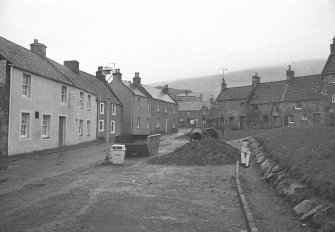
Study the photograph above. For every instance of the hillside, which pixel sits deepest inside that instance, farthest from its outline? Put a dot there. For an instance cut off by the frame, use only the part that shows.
(210, 85)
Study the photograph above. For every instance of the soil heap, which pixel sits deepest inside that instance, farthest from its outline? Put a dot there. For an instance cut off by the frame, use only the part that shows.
(202, 152)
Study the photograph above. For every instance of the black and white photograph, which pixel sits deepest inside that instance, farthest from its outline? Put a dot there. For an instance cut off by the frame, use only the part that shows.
(167, 116)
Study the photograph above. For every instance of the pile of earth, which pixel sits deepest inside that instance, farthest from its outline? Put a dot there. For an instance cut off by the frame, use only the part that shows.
(203, 152)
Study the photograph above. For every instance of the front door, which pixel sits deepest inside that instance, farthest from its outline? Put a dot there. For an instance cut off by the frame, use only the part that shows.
(316, 119)
(242, 122)
(276, 121)
(62, 131)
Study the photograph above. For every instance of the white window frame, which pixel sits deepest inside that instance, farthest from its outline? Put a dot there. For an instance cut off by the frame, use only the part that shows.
(28, 94)
(63, 94)
(138, 124)
(112, 127)
(88, 127)
(289, 118)
(102, 108)
(333, 97)
(113, 109)
(148, 122)
(81, 99)
(81, 127)
(298, 105)
(188, 113)
(103, 125)
(304, 117)
(28, 136)
(89, 100)
(47, 136)
(333, 79)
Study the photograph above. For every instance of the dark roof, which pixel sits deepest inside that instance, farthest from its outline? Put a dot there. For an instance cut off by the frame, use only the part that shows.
(330, 65)
(304, 88)
(99, 87)
(24, 59)
(235, 93)
(268, 92)
(187, 106)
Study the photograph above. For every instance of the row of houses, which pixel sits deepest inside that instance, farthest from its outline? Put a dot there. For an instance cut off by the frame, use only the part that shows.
(304, 101)
(45, 104)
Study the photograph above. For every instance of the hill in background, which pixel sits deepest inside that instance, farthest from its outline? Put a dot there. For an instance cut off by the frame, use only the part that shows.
(211, 85)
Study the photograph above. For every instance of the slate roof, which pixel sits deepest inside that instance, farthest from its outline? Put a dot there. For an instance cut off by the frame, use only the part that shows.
(304, 88)
(24, 59)
(268, 92)
(99, 87)
(235, 93)
(189, 106)
(158, 94)
(135, 89)
(330, 65)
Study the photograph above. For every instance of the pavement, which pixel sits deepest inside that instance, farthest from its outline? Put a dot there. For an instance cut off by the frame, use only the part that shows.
(74, 191)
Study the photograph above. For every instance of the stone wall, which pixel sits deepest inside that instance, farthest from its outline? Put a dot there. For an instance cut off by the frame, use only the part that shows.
(4, 107)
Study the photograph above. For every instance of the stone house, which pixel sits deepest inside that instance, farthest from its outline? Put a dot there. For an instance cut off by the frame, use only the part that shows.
(146, 110)
(193, 114)
(46, 105)
(328, 75)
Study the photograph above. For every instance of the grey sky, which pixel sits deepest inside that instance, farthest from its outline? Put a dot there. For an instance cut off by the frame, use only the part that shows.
(165, 40)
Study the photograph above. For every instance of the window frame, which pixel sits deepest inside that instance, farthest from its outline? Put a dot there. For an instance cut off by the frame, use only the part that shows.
(103, 125)
(298, 105)
(332, 79)
(47, 136)
(158, 109)
(102, 109)
(138, 103)
(148, 105)
(158, 123)
(112, 126)
(138, 123)
(65, 102)
(303, 117)
(148, 123)
(81, 127)
(28, 95)
(28, 136)
(81, 99)
(89, 102)
(88, 127)
(113, 109)
(333, 97)
(289, 119)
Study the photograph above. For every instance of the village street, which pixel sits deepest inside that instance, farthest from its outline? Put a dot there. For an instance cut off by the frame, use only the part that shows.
(73, 191)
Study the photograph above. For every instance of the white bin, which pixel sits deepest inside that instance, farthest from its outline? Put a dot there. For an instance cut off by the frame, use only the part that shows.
(117, 153)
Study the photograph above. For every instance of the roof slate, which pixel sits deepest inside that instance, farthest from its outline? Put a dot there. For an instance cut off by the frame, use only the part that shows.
(158, 94)
(330, 65)
(24, 59)
(235, 93)
(135, 89)
(268, 92)
(188, 106)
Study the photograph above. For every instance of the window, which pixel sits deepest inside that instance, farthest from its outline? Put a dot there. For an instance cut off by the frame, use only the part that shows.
(139, 103)
(148, 122)
(81, 127)
(304, 116)
(138, 122)
(242, 104)
(101, 125)
(102, 108)
(181, 119)
(203, 112)
(88, 102)
(81, 100)
(165, 107)
(298, 105)
(88, 127)
(173, 126)
(26, 85)
(148, 105)
(188, 113)
(112, 128)
(25, 125)
(333, 97)
(157, 106)
(204, 122)
(64, 94)
(174, 111)
(290, 119)
(231, 120)
(113, 109)
(158, 123)
(333, 79)
(46, 124)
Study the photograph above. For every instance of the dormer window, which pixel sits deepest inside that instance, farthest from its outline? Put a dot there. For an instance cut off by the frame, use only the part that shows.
(298, 105)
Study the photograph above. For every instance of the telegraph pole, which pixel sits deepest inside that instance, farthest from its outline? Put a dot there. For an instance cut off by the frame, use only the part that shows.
(107, 132)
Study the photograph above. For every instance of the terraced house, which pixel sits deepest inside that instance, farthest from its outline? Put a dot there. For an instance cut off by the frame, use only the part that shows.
(146, 110)
(47, 105)
(304, 101)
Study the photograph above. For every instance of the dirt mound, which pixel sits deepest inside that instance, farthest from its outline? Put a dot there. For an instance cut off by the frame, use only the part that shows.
(203, 152)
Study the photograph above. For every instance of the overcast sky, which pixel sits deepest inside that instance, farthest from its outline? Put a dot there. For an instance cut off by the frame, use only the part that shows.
(172, 39)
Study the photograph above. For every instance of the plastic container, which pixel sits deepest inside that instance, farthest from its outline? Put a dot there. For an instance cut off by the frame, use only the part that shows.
(117, 152)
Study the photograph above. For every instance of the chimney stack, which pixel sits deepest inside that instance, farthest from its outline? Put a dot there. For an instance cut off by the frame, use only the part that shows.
(137, 79)
(98, 73)
(289, 74)
(332, 47)
(223, 84)
(38, 48)
(166, 89)
(256, 80)
(117, 75)
(73, 65)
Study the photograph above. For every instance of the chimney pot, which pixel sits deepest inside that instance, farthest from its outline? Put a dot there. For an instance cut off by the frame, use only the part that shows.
(256, 80)
(289, 74)
(117, 75)
(73, 65)
(38, 48)
(137, 79)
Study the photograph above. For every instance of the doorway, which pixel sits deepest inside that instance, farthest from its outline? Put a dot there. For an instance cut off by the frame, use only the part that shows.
(62, 131)
(242, 122)
(316, 120)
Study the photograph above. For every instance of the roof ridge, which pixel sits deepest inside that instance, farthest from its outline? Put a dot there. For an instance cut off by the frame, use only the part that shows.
(57, 70)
